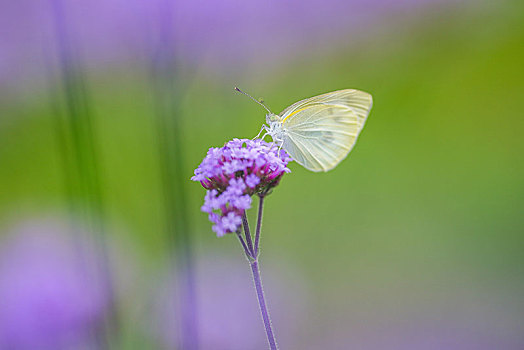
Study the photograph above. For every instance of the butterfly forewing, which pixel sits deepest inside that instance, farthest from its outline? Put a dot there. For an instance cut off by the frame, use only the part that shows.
(322, 130)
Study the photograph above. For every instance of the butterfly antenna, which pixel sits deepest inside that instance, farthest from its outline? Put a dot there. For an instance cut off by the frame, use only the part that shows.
(257, 101)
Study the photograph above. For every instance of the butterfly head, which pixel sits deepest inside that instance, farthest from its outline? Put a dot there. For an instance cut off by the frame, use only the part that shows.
(272, 118)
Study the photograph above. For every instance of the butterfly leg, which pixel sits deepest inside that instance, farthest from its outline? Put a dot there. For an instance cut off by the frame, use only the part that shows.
(265, 127)
(275, 142)
(260, 132)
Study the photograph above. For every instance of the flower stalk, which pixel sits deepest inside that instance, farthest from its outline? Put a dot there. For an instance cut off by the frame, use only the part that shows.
(252, 253)
(259, 222)
(262, 304)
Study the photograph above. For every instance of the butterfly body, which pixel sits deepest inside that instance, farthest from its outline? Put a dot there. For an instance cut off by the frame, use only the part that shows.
(275, 128)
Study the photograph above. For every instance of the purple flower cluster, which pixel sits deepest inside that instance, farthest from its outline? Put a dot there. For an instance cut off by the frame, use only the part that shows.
(235, 172)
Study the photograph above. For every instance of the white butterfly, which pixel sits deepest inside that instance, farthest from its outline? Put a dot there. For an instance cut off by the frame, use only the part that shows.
(319, 132)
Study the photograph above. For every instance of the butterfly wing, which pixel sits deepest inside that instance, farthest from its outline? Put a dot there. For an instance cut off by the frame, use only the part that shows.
(322, 130)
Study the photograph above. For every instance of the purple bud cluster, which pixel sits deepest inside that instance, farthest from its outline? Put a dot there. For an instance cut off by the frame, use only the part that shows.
(234, 173)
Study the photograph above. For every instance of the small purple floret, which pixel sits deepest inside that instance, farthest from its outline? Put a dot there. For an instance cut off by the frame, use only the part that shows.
(252, 180)
(234, 173)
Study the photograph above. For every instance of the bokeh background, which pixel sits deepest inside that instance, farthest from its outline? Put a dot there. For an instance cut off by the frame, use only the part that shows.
(415, 241)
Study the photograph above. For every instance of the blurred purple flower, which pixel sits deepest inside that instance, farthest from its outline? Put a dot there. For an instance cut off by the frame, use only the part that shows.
(224, 33)
(52, 294)
(228, 313)
(235, 172)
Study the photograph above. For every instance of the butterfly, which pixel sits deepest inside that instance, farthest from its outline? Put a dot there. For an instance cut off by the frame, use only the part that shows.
(319, 132)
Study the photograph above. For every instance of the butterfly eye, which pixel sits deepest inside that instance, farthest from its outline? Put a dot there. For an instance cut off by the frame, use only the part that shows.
(273, 118)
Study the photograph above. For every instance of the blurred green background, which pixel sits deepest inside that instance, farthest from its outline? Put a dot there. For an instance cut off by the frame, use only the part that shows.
(416, 240)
